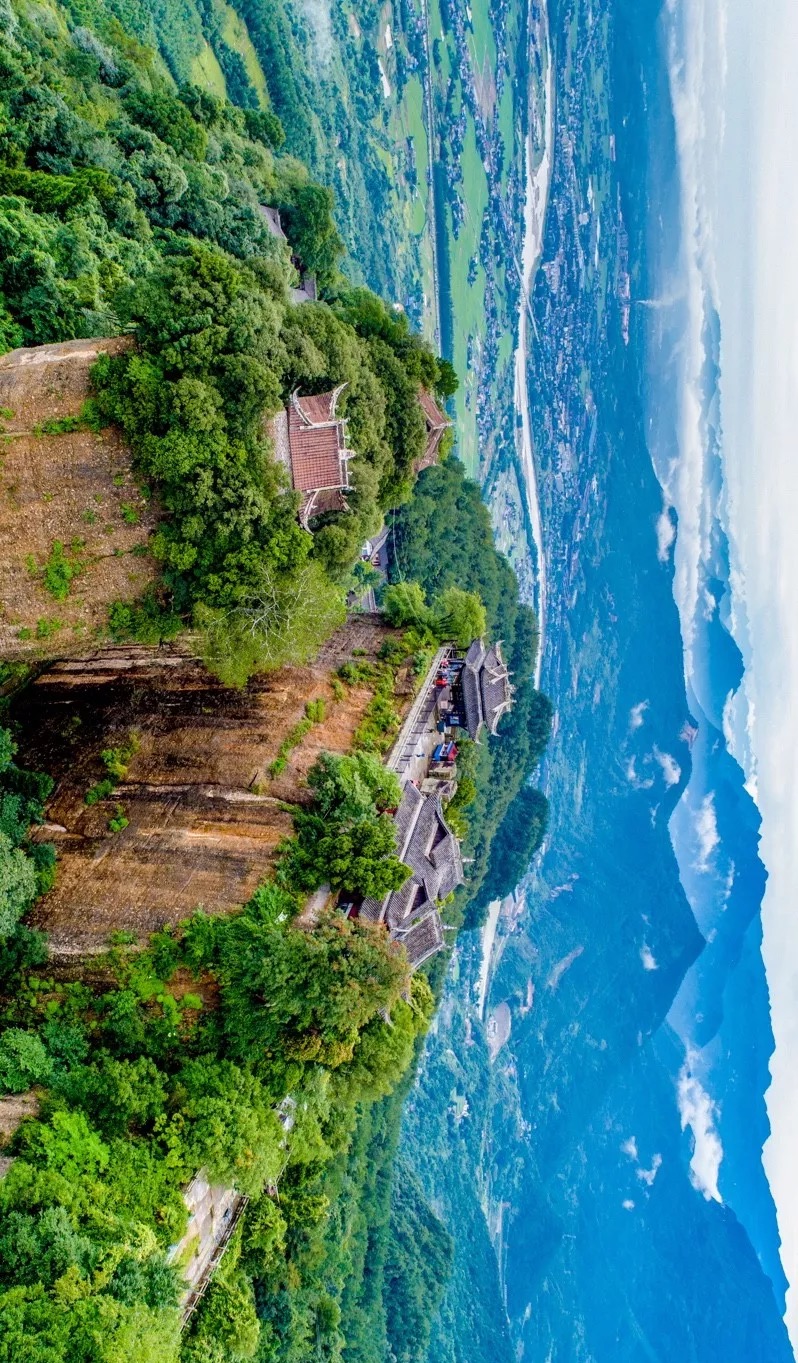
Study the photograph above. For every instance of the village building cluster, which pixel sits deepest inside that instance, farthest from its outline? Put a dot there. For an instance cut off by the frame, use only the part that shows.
(463, 692)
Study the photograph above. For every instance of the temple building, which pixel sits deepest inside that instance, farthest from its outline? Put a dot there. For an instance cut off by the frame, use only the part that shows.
(482, 692)
(310, 440)
(427, 845)
(436, 422)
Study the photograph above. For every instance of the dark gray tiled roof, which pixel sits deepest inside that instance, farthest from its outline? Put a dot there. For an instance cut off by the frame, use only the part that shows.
(449, 863)
(415, 900)
(372, 910)
(485, 688)
(423, 940)
(495, 687)
(406, 815)
(475, 654)
(472, 702)
(425, 844)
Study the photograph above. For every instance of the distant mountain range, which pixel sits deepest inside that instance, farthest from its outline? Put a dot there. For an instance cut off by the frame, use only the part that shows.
(612, 1151)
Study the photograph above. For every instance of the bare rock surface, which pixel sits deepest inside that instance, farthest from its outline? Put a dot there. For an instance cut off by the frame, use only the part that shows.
(75, 488)
(204, 814)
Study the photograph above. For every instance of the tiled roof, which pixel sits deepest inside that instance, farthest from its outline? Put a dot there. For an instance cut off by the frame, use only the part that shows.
(423, 940)
(327, 499)
(434, 417)
(485, 688)
(404, 820)
(412, 901)
(430, 849)
(319, 408)
(316, 450)
(372, 909)
(475, 654)
(448, 863)
(495, 687)
(496, 698)
(472, 701)
(436, 422)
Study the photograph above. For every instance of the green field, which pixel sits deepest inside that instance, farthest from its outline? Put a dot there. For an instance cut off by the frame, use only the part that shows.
(206, 71)
(236, 35)
(469, 310)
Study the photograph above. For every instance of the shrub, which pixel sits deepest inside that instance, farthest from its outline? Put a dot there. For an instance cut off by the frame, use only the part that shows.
(59, 570)
(23, 1060)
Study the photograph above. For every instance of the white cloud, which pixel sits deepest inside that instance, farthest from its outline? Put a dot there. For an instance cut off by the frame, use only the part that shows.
(628, 1205)
(671, 771)
(648, 958)
(666, 534)
(637, 714)
(698, 1112)
(647, 1176)
(639, 782)
(630, 1148)
(318, 14)
(706, 829)
(758, 296)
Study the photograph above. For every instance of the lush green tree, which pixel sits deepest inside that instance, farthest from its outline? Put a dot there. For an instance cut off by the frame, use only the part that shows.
(460, 616)
(283, 621)
(447, 382)
(232, 1130)
(169, 119)
(23, 1060)
(116, 1094)
(349, 787)
(405, 603)
(40, 1246)
(311, 230)
(519, 837)
(227, 1328)
(17, 884)
(419, 1261)
(265, 126)
(306, 995)
(356, 855)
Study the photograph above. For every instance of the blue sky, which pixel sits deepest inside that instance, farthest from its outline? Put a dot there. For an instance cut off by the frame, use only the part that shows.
(738, 132)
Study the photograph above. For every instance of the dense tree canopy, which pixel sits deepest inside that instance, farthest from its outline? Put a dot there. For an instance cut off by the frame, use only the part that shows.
(126, 200)
(26, 869)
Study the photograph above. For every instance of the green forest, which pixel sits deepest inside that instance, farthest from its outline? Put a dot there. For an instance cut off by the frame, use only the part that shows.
(130, 203)
(275, 1058)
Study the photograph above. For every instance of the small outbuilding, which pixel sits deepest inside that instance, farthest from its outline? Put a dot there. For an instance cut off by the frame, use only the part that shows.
(436, 422)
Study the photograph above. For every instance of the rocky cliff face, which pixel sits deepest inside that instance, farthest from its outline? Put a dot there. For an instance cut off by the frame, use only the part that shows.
(73, 488)
(204, 815)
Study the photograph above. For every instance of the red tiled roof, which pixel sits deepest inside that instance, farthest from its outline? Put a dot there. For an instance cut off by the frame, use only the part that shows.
(328, 499)
(318, 408)
(315, 452)
(433, 415)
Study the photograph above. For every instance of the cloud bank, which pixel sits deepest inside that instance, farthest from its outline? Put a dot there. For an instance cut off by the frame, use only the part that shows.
(698, 1112)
